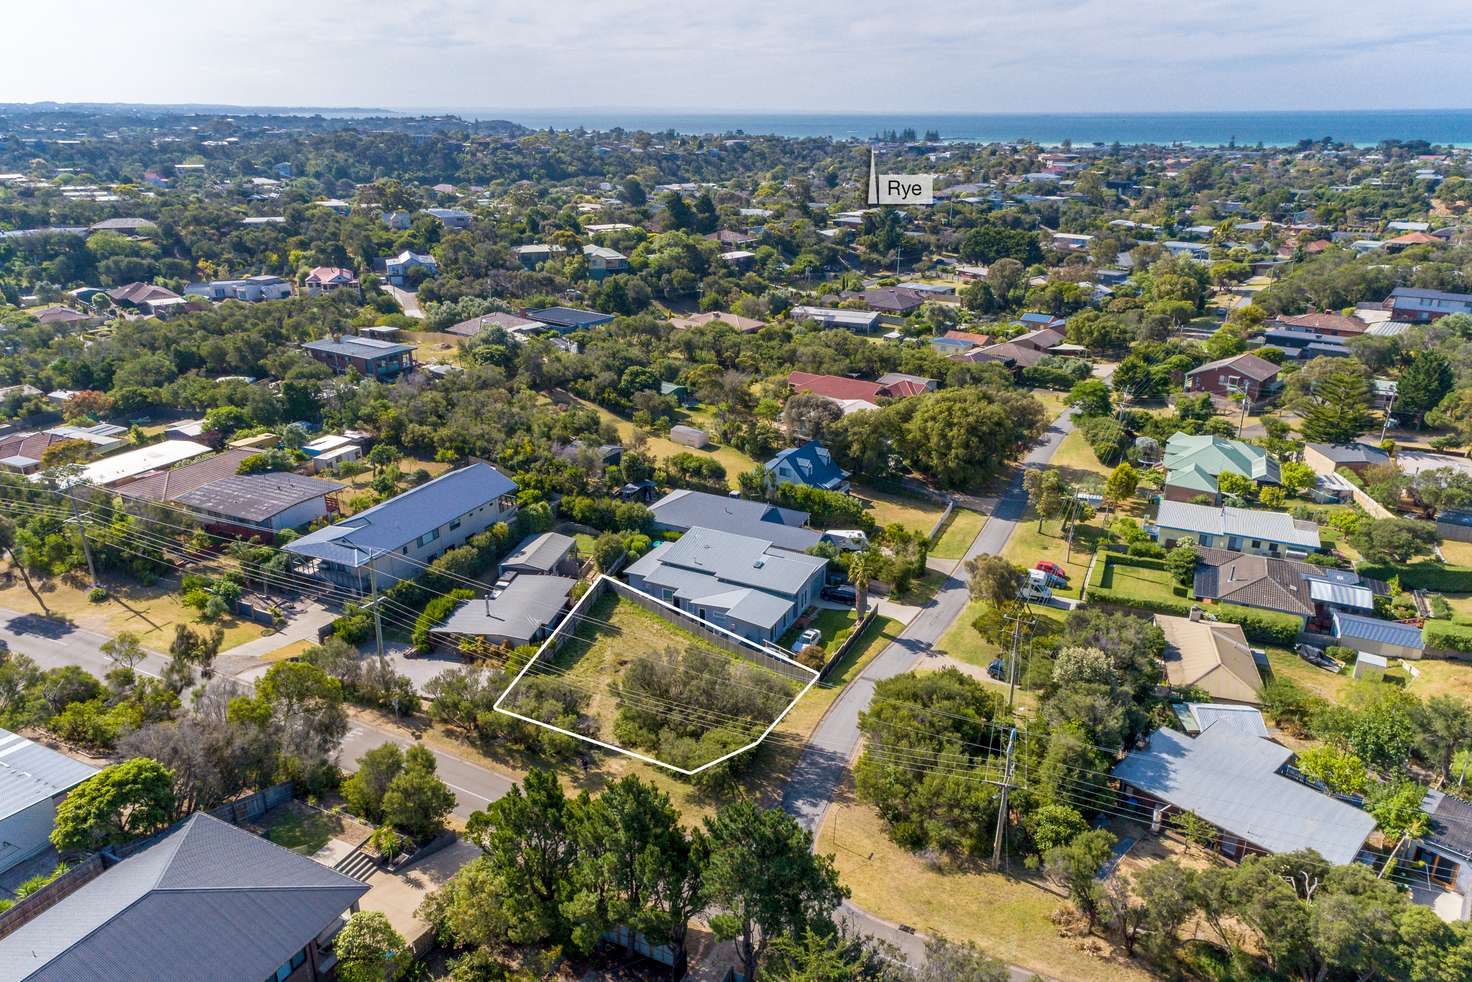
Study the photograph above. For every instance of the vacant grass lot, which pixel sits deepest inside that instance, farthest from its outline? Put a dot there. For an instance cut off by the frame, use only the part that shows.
(1154, 584)
(960, 530)
(888, 507)
(730, 458)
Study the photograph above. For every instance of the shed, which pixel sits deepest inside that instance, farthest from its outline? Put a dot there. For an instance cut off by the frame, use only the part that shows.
(1368, 666)
(690, 436)
(1389, 639)
(550, 552)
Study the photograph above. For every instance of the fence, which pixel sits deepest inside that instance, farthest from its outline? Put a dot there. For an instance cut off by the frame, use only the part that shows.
(253, 806)
(627, 937)
(848, 643)
(941, 521)
(29, 908)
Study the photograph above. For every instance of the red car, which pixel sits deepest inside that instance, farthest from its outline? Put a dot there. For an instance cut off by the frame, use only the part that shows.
(1052, 569)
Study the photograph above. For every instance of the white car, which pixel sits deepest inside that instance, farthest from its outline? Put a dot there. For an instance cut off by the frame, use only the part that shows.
(849, 540)
(806, 639)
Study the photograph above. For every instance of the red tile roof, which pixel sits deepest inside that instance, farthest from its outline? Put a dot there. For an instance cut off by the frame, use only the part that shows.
(1326, 322)
(836, 387)
(1413, 238)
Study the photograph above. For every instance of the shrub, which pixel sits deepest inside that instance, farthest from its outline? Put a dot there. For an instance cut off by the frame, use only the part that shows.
(1265, 626)
(1422, 576)
(1445, 634)
(435, 611)
(1147, 550)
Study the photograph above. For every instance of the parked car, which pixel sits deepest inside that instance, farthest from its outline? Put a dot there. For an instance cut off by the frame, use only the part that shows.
(806, 639)
(840, 593)
(1036, 586)
(997, 669)
(1050, 567)
(849, 540)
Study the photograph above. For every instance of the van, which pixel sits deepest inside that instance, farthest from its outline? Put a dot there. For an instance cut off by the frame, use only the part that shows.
(1036, 587)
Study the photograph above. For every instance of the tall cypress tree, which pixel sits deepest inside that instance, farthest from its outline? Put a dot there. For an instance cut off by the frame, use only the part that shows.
(1340, 410)
(1424, 383)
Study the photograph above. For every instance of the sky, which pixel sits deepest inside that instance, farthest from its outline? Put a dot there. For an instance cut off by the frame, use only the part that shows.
(757, 55)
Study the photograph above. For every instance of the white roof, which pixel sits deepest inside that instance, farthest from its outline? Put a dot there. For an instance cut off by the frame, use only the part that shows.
(132, 463)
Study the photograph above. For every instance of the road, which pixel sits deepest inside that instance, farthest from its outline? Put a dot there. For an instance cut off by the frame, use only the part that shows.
(53, 644)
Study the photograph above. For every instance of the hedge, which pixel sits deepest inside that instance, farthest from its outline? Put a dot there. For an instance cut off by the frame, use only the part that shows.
(1263, 626)
(1422, 576)
(1446, 634)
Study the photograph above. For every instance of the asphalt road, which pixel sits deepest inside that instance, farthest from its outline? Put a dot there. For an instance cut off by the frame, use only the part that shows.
(53, 644)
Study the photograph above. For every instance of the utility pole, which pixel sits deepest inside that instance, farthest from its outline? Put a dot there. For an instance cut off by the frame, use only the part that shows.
(1012, 667)
(1388, 409)
(82, 531)
(1002, 803)
(376, 603)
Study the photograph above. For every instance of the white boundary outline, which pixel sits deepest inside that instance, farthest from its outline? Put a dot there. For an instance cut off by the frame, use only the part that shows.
(574, 616)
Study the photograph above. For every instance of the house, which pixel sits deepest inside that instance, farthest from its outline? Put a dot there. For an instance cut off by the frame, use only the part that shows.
(1245, 373)
(689, 436)
(395, 539)
(1325, 322)
(1303, 590)
(450, 217)
(1419, 306)
(544, 555)
(603, 261)
(1235, 529)
(852, 320)
(968, 337)
(739, 259)
(1445, 853)
(399, 221)
(1326, 458)
(533, 255)
(564, 319)
(892, 300)
(250, 290)
(33, 781)
(143, 297)
(21, 451)
(1214, 658)
(900, 384)
(732, 239)
(124, 467)
(1302, 344)
(605, 455)
(165, 485)
(329, 279)
(1193, 465)
(1369, 635)
(842, 389)
(252, 504)
(331, 449)
(1044, 331)
(523, 612)
(1237, 783)
(810, 464)
(745, 325)
(683, 509)
(509, 323)
(126, 226)
(1451, 523)
(1007, 353)
(103, 437)
(186, 429)
(206, 900)
(746, 585)
(369, 357)
(398, 268)
(60, 316)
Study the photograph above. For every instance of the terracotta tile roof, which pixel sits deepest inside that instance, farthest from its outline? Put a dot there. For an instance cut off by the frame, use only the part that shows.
(836, 387)
(1327, 322)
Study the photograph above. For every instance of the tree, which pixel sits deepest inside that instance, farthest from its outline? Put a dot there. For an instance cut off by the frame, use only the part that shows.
(863, 568)
(1338, 409)
(1090, 397)
(765, 880)
(1444, 726)
(1075, 867)
(7, 543)
(1122, 482)
(808, 415)
(1424, 383)
(1396, 807)
(1453, 412)
(1340, 770)
(1168, 892)
(1395, 540)
(1180, 563)
(1296, 478)
(118, 804)
(608, 549)
(1441, 487)
(818, 956)
(1196, 830)
(416, 801)
(1047, 492)
(950, 961)
(994, 580)
(124, 650)
(368, 949)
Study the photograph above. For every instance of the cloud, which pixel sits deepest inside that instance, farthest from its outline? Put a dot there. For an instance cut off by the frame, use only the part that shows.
(811, 55)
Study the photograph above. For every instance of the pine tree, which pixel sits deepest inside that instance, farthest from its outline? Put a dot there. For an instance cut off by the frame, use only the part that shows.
(1424, 383)
(1340, 410)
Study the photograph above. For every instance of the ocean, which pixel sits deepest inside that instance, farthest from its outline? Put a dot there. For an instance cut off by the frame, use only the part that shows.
(1362, 127)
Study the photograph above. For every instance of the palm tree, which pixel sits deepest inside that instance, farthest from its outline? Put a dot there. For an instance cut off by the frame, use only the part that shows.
(861, 570)
(7, 543)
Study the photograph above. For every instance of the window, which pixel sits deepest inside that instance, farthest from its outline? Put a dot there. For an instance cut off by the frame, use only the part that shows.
(429, 537)
(454, 525)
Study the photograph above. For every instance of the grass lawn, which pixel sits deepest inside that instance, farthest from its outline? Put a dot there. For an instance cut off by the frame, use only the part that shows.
(962, 642)
(887, 507)
(1075, 458)
(1026, 546)
(1052, 401)
(1005, 916)
(730, 458)
(435, 347)
(149, 612)
(1286, 664)
(1155, 584)
(302, 830)
(960, 530)
(828, 621)
(1457, 553)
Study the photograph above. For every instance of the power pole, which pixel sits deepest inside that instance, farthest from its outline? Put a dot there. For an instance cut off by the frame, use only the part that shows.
(376, 603)
(82, 531)
(1012, 666)
(1388, 409)
(1002, 803)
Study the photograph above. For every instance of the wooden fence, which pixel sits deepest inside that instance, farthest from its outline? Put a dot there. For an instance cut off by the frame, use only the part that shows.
(843, 649)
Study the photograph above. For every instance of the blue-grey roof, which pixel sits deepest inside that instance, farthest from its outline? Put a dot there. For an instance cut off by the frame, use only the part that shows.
(742, 560)
(208, 900)
(541, 552)
(402, 519)
(684, 509)
(256, 497)
(1340, 594)
(352, 346)
(1246, 720)
(813, 464)
(1353, 627)
(702, 585)
(30, 773)
(1232, 781)
(569, 318)
(1271, 526)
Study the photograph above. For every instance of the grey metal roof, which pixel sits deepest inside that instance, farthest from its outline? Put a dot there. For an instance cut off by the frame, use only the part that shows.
(741, 560)
(541, 552)
(403, 518)
(685, 509)
(208, 900)
(1271, 526)
(352, 346)
(518, 612)
(30, 773)
(703, 590)
(1451, 824)
(1244, 719)
(1353, 627)
(256, 497)
(1231, 780)
(569, 318)
(1341, 594)
(1351, 453)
